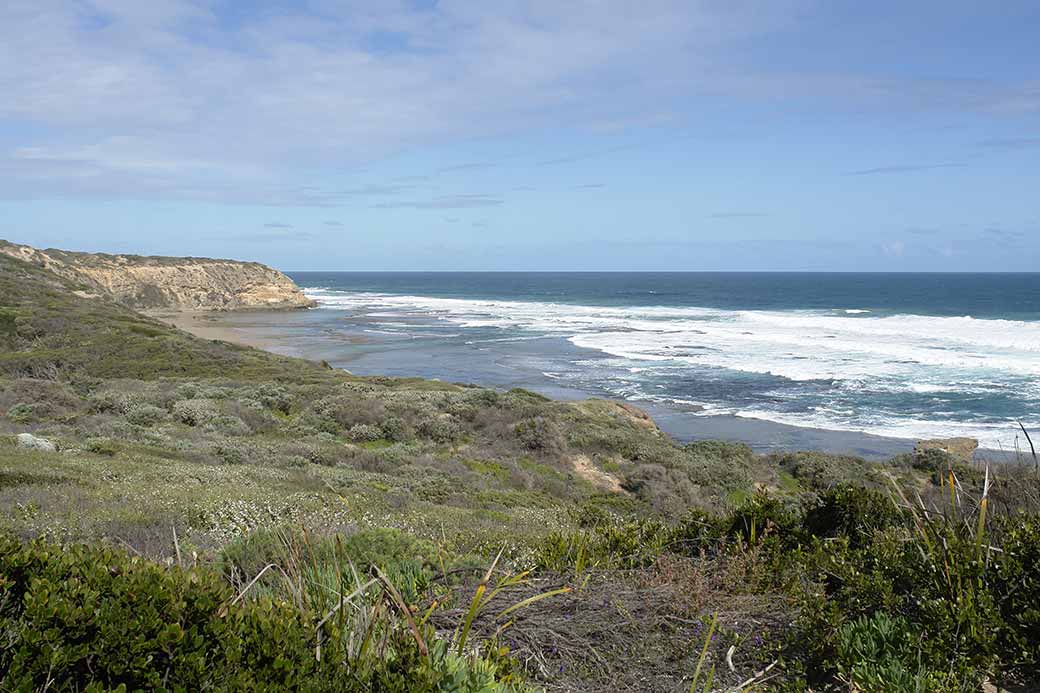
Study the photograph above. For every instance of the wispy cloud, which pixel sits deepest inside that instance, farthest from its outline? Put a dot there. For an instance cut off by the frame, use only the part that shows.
(584, 156)
(376, 190)
(469, 201)
(332, 222)
(1012, 143)
(277, 225)
(589, 186)
(904, 168)
(472, 166)
(278, 238)
(1003, 235)
(182, 99)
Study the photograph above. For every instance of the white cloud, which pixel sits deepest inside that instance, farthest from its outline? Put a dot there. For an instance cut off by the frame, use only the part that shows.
(893, 248)
(176, 98)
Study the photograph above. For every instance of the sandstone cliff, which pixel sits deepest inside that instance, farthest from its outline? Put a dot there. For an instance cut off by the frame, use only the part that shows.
(179, 283)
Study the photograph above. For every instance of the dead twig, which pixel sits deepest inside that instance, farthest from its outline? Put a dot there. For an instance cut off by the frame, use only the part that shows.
(1036, 462)
(755, 679)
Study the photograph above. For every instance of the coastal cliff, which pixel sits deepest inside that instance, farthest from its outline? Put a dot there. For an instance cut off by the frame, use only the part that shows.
(177, 283)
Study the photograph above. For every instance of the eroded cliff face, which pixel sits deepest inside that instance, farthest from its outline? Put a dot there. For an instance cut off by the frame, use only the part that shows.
(178, 283)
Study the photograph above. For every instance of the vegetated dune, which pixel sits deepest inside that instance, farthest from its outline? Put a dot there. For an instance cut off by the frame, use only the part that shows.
(243, 521)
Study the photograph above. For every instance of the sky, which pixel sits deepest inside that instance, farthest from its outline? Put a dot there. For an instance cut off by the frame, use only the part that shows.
(540, 135)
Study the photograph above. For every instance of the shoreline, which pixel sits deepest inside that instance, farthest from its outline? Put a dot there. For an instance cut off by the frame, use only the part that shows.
(264, 330)
(208, 325)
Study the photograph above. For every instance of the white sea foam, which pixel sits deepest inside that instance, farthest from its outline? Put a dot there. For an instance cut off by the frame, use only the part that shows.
(852, 350)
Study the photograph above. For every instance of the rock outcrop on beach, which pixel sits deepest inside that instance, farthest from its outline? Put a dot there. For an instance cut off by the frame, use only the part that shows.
(960, 449)
(177, 283)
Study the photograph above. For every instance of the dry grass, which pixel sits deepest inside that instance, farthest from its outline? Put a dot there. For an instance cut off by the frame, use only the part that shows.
(632, 631)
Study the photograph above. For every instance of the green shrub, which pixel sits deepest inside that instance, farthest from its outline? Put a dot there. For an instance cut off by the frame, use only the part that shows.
(852, 512)
(365, 433)
(719, 451)
(396, 429)
(385, 547)
(441, 429)
(195, 412)
(932, 573)
(485, 397)
(878, 654)
(101, 446)
(932, 460)
(539, 434)
(820, 471)
(109, 402)
(1017, 580)
(232, 452)
(76, 618)
(274, 397)
(45, 398)
(668, 491)
(228, 425)
(763, 515)
(8, 323)
(186, 390)
(22, 412)
(145, 414)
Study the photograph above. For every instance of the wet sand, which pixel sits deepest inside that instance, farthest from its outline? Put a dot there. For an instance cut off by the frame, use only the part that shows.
(211, 325)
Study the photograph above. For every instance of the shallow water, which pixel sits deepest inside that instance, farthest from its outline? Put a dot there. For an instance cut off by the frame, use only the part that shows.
(899, 356)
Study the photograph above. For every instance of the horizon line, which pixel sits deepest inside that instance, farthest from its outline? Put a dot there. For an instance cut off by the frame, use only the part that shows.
(704, 271)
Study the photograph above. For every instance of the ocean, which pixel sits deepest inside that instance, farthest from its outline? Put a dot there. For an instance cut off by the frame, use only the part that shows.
(902, 356)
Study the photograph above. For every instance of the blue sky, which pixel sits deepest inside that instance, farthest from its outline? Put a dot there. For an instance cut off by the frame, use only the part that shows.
(510, 135)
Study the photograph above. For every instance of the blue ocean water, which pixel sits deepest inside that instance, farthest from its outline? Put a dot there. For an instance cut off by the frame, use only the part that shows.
(900, 355)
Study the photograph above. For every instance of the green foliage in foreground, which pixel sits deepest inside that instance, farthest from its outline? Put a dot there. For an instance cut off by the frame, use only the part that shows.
(400, 492)
(909, 602)
(889, 599)
(77, 618)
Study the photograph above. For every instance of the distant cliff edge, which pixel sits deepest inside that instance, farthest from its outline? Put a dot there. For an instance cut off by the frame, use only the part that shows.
(178, 283)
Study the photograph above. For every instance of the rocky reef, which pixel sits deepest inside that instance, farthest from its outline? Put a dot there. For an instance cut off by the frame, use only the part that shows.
(176, 283)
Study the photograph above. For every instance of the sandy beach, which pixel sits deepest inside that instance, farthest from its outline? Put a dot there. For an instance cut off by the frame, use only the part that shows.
(210, 325)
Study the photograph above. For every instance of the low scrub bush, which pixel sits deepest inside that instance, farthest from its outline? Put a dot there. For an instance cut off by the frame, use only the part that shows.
(540, 434)
(274, 397)
(365, 433)
(195, 412)
(820, 471)
(109, 402)
(101, 446)
(76, 618)
(47, 398)
(920, 598)
(397, 430)
(878, 654)
(145, 414)
(228, 425)
(233, 452)
(853, 512)
(440, 428)
(23, 412)
(669, 491)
